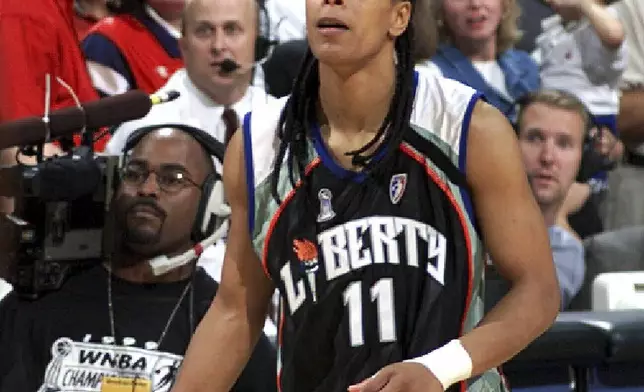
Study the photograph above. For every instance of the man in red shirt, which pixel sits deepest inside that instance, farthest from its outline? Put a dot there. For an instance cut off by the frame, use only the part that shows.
(136, 48)
(36, 41)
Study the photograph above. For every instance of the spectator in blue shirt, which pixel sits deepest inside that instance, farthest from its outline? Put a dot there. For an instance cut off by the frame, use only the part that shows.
(551, 128)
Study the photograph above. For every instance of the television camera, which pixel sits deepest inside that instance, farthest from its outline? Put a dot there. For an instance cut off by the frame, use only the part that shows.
(61, 218)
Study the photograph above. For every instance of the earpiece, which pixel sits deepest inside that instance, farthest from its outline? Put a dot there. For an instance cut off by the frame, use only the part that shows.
(263, 45)
(228, 65)
(212, 210)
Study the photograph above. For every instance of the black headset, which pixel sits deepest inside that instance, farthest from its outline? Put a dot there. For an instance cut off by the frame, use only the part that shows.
(588, 164)
(263, 42)
(207, 220)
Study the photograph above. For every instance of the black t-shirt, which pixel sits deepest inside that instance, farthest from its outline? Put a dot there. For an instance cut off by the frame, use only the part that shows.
(7, 316)
(63, 341)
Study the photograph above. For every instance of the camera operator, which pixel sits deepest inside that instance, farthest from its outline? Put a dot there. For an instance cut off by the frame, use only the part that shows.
(117, 325)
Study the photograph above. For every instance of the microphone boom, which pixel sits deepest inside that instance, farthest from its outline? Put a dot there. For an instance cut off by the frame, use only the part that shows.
(93, 115)
(228, 66)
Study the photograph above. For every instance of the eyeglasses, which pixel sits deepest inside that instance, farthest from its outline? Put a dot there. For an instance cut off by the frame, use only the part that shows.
(170, 180)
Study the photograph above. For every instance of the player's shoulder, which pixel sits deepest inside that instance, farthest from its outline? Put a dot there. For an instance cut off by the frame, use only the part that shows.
(261, 100)
(264, 115)
(268, 105)
(260, 124)
(442, 107)
(432, 85)
(261, 136)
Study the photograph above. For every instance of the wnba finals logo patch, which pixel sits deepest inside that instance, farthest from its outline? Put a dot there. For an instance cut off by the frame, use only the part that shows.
(397, 186)
(326, 209)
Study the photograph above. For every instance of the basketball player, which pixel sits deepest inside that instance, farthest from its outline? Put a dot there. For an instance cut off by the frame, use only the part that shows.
(364, 211)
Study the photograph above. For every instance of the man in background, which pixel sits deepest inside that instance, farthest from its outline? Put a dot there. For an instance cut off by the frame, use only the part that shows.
(210, 98)
(119, 323)
(551, 128)
(136, 48)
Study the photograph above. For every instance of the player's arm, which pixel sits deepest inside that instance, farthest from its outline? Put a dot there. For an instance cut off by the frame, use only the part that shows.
(515, 236)
(230, 329)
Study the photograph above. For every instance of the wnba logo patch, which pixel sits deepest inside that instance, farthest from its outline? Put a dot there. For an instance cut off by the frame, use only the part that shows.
(397, 186)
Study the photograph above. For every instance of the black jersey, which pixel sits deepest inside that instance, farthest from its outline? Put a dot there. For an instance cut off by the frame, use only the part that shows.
(372, 270)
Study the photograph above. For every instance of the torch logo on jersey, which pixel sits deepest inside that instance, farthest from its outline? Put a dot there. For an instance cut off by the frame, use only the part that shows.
(307, 254)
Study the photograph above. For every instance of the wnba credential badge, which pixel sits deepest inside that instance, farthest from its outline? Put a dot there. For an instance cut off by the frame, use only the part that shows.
(397, 186)
(83, 367)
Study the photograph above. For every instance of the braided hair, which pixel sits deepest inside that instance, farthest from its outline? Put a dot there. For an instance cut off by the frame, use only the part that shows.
(295, 121)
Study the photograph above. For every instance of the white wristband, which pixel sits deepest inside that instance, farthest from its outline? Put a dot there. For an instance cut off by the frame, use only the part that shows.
(449, 364)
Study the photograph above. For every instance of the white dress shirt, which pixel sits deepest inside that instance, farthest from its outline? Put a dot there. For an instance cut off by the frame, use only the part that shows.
(191, 108)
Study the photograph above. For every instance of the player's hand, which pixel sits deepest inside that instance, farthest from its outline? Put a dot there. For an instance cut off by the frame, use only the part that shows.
(400, 377)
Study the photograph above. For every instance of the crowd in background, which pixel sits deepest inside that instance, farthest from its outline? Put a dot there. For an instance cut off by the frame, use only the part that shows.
(505, 49)
(579, 56)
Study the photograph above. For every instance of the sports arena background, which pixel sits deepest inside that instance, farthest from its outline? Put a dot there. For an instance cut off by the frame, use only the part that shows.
(598, 341)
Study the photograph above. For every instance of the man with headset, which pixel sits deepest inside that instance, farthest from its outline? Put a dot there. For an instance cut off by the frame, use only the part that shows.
(123, 322)
(221, 43)
(552, 127)
(213, 97)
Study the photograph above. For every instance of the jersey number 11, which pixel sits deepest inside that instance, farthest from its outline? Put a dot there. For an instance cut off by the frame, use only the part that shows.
(382, 293)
